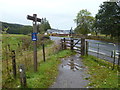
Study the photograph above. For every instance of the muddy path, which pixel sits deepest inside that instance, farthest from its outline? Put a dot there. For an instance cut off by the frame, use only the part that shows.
(72, 74)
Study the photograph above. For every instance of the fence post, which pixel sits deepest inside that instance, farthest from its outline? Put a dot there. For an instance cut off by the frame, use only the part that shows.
(113, 60)
(111, 54)
(43, 52)
(119, 68)
(98, 51)
(82, 46)
(119, 62)
(61, 44)
(23, 80)
(72, 42)
(14, 63)
(7, 60)
(86, 48)
(64, 44)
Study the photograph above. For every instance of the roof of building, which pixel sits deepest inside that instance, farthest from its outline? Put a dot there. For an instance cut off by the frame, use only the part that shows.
(57, 30)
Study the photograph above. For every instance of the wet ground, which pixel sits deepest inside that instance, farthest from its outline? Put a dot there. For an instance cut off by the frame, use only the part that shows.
(72, 74)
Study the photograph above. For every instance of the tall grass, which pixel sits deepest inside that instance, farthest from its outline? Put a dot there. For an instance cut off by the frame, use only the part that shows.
(101, 73)
(23, 46)
(47, 71)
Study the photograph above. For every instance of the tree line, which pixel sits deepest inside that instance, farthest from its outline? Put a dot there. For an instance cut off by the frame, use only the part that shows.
(106, 21)
(25, 29)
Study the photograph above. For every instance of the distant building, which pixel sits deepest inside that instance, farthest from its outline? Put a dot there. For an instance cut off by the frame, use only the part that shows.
(56, 31)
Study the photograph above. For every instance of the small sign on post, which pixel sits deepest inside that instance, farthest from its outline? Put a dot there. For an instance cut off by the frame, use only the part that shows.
(34, 36)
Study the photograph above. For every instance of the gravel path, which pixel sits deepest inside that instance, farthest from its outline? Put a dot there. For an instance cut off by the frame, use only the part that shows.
(72, 74)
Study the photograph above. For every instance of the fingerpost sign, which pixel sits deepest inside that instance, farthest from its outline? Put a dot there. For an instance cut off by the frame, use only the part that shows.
(34, 37)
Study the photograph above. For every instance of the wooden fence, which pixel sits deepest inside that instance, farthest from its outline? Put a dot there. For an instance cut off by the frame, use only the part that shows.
(78, 45)
(83, 47)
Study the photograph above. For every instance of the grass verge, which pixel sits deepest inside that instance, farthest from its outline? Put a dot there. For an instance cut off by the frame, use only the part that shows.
(23, 47)
(47, 71)
(46, 74)
(102, 75)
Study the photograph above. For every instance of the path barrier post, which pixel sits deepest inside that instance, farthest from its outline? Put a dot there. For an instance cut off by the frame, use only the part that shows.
(22, 75)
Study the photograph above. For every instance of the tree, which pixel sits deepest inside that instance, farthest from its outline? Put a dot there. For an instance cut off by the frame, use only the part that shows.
(11, 28)
(44, 26)
(26, 30)
(16, 28)
(84, 22)
(4, 30)
(108, 19)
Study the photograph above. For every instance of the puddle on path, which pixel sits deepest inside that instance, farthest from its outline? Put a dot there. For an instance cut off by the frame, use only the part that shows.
(71, 73)
(72, 65)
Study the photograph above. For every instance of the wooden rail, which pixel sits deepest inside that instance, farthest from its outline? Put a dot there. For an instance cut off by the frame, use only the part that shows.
(82, 47)
(74, 44)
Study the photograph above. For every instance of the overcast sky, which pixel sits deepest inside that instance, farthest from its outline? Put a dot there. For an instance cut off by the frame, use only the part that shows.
(59, 13)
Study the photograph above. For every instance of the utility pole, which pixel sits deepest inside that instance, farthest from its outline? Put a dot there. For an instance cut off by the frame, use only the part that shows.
(34, 37)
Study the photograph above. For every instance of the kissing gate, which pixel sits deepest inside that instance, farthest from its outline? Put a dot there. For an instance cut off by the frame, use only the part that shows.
(78, 45)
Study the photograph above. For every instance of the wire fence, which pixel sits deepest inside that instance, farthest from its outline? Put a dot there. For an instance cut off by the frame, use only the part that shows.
(108, 52)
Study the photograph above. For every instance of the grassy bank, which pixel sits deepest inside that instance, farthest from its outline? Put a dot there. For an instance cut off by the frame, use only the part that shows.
(23, 46)
(102, 75)
(47, 71)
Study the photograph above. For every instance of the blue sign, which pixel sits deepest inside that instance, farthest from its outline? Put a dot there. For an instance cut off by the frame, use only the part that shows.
(34, 36)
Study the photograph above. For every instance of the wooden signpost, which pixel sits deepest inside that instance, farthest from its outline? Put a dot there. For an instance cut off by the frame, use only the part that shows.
(34, 36)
